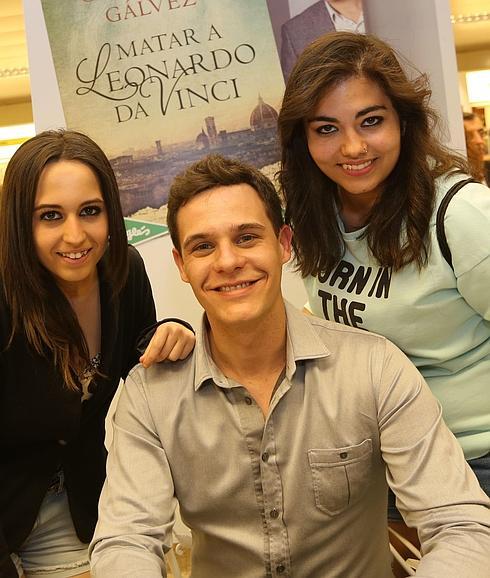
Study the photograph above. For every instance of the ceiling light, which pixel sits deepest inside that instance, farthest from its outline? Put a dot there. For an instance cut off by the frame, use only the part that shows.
(8, 72)
(16, 134)
(470, 18)
(478, 86)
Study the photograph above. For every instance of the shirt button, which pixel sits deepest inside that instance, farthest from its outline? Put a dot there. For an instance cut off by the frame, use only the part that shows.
(343, 455)
(280, 569)
(265, 457)
(274, 513)
(248, 400)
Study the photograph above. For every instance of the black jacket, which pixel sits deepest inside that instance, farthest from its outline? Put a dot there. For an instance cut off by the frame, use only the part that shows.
(43, 424)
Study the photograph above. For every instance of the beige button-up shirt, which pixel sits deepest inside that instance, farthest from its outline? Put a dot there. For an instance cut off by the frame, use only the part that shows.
(300, 493)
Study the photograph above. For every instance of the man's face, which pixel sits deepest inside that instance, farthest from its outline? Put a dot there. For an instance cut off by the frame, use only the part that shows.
(231, 256)
(474, 134)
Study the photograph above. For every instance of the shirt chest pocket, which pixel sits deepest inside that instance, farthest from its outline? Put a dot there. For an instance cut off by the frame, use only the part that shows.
(340, 475)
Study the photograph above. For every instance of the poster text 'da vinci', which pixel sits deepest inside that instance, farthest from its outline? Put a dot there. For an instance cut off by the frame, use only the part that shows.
(159, 84)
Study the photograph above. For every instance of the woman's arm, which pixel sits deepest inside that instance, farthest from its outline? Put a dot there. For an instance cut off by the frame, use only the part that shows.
(467, 227)
(167, 340)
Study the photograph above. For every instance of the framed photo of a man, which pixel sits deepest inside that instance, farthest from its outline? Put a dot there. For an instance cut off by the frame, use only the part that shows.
(307, 20)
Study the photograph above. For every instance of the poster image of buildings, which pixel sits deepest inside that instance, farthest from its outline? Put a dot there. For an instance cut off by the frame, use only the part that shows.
(160, 83)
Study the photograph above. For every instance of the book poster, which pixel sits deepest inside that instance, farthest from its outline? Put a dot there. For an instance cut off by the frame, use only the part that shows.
(160, 83)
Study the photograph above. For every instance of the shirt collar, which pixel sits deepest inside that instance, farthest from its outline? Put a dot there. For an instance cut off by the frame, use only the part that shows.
(303, 343)
(340, 20)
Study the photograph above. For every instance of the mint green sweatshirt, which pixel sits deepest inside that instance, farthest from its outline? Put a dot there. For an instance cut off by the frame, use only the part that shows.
(439, 317)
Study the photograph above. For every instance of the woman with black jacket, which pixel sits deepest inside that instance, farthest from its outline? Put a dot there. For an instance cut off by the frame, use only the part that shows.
(74, 303)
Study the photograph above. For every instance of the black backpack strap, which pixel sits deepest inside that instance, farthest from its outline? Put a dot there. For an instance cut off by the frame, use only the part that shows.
(441, 212)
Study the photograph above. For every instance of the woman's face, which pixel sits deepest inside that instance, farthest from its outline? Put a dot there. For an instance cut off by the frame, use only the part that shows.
(353, 136)
(69, 224)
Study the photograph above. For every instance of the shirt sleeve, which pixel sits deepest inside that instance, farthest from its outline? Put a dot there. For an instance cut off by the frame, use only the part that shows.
(137, 504)
(436, 491)
(467, 228)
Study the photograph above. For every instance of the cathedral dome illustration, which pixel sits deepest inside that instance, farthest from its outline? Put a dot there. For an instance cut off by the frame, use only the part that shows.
(263, 116)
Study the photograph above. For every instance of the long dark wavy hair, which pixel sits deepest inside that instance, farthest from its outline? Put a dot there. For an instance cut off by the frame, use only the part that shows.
(398, 225)
(38, 307)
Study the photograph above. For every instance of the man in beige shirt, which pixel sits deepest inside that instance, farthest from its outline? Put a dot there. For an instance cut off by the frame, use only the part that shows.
(279, 436)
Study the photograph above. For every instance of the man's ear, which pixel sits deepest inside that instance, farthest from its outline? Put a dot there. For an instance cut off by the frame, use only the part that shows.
(285, 239)
(180, 265)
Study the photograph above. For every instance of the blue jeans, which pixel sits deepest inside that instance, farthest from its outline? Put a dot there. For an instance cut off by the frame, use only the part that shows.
(52, 550)
(481, 469)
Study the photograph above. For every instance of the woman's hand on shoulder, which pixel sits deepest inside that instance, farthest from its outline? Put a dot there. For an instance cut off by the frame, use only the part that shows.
(170, 342)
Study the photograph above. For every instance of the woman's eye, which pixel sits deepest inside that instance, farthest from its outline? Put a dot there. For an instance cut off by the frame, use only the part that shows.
(372, 121)
(50, 216)
(326, 129)
(90, 211)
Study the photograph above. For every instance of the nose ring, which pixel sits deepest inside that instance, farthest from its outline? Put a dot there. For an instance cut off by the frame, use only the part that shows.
(364, 149)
